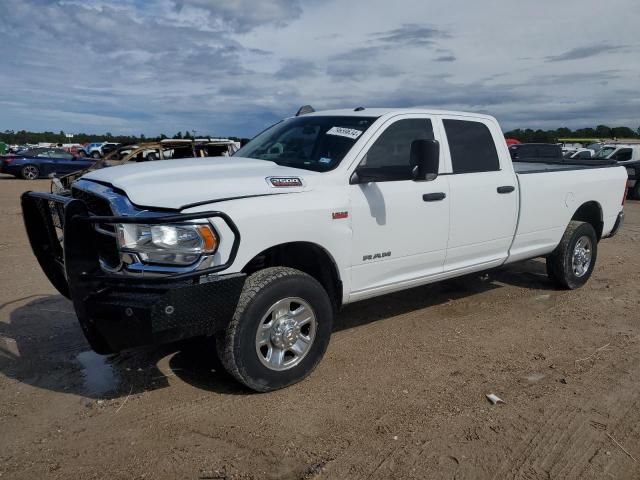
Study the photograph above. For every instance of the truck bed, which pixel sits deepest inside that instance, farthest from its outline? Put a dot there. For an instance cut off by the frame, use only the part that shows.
(522, 168)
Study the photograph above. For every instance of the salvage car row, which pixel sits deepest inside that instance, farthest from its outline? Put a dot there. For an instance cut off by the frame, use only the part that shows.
(621, 153)
(48, 162)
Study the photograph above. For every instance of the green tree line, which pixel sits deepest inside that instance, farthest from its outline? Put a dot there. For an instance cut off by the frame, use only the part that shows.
(551, 136)
(527, 135)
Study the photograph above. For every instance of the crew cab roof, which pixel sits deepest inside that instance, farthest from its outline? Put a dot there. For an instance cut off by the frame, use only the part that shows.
(379, 112)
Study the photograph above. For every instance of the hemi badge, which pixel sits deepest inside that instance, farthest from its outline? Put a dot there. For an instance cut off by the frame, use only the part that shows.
(339, 215)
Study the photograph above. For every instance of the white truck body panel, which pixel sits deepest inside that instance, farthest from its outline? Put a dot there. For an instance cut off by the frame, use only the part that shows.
(176, 183)
(548, 201)
(376, 221)
(483, 222)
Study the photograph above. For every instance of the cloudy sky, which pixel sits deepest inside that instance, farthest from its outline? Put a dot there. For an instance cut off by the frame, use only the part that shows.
(232, 67)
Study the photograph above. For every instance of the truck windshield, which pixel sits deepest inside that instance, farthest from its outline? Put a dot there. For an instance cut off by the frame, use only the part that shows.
(316, 143)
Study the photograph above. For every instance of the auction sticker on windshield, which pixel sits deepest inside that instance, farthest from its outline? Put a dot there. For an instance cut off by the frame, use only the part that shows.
(344, 132)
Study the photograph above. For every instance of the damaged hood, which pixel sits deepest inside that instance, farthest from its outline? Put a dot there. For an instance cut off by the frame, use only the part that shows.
(178, 184)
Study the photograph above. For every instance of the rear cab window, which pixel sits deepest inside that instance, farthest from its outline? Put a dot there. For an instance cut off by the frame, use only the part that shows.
(471, 146)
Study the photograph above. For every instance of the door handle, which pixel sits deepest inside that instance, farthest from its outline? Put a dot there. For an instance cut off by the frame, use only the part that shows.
(434, 197)
(506, 189)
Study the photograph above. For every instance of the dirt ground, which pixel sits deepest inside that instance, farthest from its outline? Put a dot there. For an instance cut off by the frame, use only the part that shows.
(400, 393)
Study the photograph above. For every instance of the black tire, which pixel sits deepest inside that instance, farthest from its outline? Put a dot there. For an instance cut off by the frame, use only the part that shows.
(236, 345)
(30, 172)
(96, 155)
(81, 153)
(560, 266)
(634, 193)
(151, 157)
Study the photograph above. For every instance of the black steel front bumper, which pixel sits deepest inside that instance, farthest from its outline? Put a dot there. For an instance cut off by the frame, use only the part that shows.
(117, 312)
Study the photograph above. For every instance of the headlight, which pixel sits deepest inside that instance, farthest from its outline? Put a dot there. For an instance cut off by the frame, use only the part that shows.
(167, 244)
(631, 171)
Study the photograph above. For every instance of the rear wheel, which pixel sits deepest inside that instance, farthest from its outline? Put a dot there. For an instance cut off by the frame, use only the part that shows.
(30, 172)
(280, 330)
(572, 262)
(96, 155)
(634, 193)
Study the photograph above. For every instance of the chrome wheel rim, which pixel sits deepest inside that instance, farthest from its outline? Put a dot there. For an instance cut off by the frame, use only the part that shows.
(30, 173)
(285, 334)
(582, 254)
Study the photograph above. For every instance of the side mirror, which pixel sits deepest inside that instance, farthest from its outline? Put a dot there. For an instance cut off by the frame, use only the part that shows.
(425, 159)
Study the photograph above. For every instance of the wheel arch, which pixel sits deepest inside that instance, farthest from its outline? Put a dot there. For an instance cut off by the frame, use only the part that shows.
(307, 257)
(591, 212)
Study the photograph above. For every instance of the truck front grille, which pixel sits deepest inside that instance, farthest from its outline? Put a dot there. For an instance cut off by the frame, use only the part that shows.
(105, 240)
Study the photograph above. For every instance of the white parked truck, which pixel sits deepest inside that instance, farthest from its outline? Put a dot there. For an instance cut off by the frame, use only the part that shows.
(627, 155)
(259, 250)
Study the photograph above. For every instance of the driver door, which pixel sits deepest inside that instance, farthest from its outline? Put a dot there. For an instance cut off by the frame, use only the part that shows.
(63, 162)
(45, 163)
(400, 226)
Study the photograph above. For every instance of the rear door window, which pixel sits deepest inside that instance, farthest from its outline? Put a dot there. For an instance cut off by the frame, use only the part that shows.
(472, 147)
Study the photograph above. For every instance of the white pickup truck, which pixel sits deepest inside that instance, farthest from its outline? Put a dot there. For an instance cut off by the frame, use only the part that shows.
(260, 249)
(627, 155)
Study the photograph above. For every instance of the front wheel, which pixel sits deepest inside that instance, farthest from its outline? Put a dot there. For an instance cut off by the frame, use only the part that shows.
(280, 330)
(96, 155)
(572, 262)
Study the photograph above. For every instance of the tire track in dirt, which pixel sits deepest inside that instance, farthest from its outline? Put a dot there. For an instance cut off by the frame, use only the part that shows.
(572, 435)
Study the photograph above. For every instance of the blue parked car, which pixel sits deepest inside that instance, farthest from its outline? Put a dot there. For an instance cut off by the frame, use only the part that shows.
(42, 162)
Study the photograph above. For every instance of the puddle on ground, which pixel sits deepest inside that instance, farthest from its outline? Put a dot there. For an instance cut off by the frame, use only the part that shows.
(98, 373)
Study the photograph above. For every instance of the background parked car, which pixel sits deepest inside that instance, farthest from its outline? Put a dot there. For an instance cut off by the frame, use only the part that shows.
(580, 153)
(97, 150)
(107, 148)
(627, 155)
(166, 149)
(536, 151)
(42, 162)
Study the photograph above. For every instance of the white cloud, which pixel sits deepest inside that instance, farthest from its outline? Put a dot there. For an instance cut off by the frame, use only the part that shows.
(234, 66)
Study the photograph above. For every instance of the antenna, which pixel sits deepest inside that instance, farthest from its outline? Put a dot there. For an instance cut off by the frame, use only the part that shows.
(304, 110)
